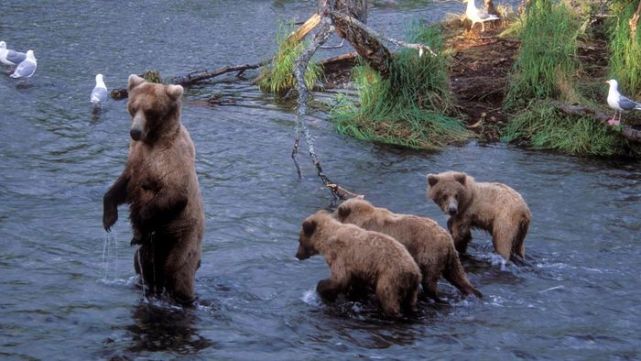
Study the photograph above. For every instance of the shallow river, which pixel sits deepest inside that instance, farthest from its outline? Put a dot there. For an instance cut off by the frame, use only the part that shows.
(68, 288)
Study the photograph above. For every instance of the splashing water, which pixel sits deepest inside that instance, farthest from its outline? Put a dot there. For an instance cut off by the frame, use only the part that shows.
(311, 298)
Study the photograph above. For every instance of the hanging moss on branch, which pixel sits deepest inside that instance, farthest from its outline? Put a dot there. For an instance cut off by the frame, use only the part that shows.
(409, 107)
(278, 77)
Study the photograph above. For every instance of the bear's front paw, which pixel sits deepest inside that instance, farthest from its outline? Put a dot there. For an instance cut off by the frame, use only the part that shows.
(109, 217)
(327, 290)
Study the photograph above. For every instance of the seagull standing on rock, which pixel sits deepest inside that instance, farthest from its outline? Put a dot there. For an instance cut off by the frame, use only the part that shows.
(99, 92)
(476, 15)
(27, 67)
(619, 102)
(10, 57)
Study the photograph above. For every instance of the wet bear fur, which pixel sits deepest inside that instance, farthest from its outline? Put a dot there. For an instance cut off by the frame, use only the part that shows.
(493, 207)
(160, 185)
(430, 245)
(361, 259)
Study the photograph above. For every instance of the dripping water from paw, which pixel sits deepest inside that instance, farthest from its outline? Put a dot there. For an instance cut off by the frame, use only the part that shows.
(141, 277)
(109, 258)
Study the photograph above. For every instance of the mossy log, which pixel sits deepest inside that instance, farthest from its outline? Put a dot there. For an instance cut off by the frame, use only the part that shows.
(627, 131)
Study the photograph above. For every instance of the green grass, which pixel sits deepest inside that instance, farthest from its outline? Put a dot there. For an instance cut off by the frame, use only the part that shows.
(409, 107)
(278, 77)
(625, 50)
(542, 126)
(546, 65)
(546, 70)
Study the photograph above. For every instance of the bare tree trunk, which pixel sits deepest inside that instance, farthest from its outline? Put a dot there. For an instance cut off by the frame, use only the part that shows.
(371, 49)
(348, 18)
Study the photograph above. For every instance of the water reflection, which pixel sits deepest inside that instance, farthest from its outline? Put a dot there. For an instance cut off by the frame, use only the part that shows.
(165, 328)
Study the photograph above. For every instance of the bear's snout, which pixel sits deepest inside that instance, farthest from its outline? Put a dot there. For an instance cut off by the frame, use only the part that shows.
(452, 208)
(303, 253)
(135, 134)
(137, 126)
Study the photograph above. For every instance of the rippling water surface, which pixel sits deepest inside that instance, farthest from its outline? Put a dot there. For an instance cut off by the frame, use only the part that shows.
(68, 288)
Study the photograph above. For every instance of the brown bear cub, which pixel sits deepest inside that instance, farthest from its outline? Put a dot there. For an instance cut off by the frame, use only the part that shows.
(493, 207)
(160, 185)
(429, 244)
(361, 259)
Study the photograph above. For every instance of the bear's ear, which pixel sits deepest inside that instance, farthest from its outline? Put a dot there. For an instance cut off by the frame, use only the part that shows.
(309, 227)
(460, 177)
(432, 179)
(134, 81)
(343, 212)
(174, 91)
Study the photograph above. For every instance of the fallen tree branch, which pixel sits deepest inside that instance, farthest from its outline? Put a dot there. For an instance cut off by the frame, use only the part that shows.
(304, 29)
(374, 34)
(343, 193)
(627, 131)
(300, 66)
(197, 76)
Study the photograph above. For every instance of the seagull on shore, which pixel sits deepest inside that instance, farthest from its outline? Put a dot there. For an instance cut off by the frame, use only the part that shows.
(27, 67)
(476, 15)
(618, 102)
(99, 92)
(10, 57)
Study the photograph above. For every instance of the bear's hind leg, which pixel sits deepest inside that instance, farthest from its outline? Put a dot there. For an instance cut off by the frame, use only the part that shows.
(430, 285)
(503, 237)
(180, 278)
(389, 298)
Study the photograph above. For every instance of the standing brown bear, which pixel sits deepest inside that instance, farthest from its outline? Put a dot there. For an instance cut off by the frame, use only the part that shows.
(361, 259)
(430, 245)
(493, 207)
(161, 187)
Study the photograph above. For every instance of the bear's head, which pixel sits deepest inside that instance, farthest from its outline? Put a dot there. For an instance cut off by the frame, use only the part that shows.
(154, 109)
(449, 190)
(309, 233)
(354, 210)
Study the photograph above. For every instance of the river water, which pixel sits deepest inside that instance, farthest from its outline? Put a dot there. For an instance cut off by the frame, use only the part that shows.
(68, 288)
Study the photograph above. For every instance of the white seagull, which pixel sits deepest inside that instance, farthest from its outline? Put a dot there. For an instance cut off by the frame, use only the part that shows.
(10, 57)
(475, 15)
(27, 67)
(619, 102)
(99, 92)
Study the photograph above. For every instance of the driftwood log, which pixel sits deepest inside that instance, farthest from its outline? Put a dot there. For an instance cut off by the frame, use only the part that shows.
(197, 77)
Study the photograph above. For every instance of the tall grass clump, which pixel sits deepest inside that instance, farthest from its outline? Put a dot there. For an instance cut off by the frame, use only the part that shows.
(409, 107)
(278, 77)
(543, 126)
(625, 48)
(546, 63)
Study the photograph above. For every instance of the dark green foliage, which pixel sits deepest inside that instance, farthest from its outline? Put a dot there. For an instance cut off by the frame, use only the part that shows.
(152, 76)
(409, 107)
(546, 63)
(278, 77)
(542, 126)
